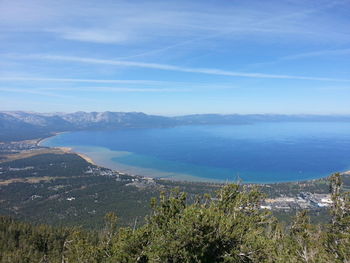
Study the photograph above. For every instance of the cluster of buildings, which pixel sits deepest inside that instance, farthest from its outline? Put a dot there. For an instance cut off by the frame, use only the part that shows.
(99, 171)
(11, 169)
(138, 181)
(304, 200)
(18, 146)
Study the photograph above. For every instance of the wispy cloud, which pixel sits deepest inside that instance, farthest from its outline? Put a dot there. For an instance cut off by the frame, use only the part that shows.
(176, 85)
(114, 81)
(50, 92)
(167, 67)
(304, 55)
(113, 22)
(318, 53)
(34, 92)
(117, 89)
(91, 35)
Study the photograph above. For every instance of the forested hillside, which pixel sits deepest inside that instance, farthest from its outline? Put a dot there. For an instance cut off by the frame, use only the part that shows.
(64, 189)
(226, 227)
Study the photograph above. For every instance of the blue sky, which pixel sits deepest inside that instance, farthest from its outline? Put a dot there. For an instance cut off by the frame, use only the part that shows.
(175, 57)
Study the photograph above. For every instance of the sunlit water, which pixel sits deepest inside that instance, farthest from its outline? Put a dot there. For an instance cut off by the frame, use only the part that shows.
(263, 152)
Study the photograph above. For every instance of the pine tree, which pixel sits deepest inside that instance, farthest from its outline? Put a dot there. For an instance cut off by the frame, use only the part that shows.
(337, 240)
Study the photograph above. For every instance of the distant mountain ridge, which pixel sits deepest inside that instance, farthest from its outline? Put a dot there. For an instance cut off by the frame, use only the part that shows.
(21, 125)
(253, 118)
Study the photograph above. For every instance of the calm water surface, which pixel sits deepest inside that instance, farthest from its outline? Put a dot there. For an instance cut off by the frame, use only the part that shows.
(263, 152)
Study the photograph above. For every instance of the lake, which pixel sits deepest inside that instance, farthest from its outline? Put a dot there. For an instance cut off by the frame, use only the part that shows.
(260, 153)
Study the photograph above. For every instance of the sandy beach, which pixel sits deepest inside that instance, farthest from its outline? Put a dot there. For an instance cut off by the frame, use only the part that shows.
(84, 156)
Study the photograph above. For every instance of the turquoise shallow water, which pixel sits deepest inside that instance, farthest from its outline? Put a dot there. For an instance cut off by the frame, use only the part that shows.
(263, 152)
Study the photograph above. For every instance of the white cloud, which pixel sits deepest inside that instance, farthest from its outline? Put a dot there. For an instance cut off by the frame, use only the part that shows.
(93, 35)
(166, 67)
(122, 86)
(122, 21)
(33, 91)
(117, 89)
(115, 81)
(311, 54)
(170, 84)
(319, 53)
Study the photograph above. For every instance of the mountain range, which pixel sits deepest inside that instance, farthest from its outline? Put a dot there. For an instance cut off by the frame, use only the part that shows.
(20, 125)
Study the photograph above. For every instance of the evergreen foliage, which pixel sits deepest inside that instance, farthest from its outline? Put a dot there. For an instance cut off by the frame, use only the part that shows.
(226, 227)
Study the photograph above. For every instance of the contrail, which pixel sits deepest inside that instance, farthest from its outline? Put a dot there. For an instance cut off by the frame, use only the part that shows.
(167, 67)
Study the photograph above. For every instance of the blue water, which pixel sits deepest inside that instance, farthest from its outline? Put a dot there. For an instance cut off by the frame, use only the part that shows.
(263, 152)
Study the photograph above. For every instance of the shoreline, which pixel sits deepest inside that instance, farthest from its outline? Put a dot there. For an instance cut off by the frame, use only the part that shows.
(82, 155)
(180, 178)
(190, 178)
(42, 140)
(87, 158)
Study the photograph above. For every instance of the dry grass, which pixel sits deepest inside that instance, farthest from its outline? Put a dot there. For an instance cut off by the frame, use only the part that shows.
(30, 153)
(35, 180)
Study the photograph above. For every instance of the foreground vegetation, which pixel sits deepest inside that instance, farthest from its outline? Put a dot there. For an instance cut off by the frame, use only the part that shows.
(227, 227)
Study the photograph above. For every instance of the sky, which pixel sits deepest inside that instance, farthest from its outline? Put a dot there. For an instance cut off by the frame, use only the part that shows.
(175, 57)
